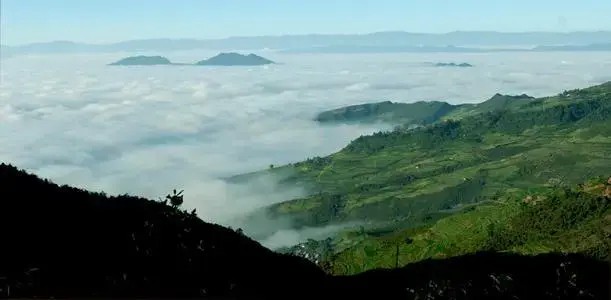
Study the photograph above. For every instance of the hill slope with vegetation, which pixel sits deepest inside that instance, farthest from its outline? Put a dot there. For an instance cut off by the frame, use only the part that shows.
(412, 180)
(59, 241)
(417, 113)
(551, 220)
(387, 111)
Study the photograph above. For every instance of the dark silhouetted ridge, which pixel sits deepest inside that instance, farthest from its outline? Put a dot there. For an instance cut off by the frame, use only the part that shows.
(62, 241)
(59, 241)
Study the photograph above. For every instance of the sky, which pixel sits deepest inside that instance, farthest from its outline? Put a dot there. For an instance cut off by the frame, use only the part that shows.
(105, 21)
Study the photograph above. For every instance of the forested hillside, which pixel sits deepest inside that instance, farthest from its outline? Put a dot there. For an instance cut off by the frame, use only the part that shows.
(467, 166)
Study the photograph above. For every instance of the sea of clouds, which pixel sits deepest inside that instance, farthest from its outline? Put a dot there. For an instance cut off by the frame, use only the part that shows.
(148, 129)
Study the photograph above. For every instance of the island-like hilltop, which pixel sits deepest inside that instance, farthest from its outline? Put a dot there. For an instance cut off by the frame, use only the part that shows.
(460, 65)
(222, 59)
(235, 59)
(142, 60)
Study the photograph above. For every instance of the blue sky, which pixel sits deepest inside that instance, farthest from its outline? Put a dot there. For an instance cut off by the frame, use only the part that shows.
(101, 21)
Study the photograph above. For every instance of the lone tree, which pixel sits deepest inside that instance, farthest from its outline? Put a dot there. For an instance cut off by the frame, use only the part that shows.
(176, 199)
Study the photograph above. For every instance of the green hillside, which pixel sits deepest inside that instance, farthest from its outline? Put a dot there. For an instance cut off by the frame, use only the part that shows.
(557, 220)
(412, 180)
(389, 112)
(417, 113)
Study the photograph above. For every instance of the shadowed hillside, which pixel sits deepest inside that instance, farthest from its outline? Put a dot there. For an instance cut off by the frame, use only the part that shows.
(65, 242)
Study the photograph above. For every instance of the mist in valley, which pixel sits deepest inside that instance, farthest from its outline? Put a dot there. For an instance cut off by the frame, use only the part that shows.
(148, 130)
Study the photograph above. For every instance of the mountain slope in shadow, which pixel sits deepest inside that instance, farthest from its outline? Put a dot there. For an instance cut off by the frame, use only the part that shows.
(59, 241)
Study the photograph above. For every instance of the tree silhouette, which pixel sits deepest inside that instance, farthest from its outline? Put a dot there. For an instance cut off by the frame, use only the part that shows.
(176, 199)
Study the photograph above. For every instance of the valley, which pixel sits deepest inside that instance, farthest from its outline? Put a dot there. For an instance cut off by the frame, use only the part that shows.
(422, 150)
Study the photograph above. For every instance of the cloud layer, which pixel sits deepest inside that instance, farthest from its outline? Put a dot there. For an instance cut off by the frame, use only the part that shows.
(147, 130)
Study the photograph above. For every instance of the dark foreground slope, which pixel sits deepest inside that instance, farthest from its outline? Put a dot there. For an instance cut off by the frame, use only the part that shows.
(486, 275)
(65, 242)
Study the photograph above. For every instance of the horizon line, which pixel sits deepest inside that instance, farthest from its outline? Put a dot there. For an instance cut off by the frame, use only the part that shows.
(306, 34)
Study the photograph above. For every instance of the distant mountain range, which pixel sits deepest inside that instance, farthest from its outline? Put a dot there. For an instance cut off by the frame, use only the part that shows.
(444, 49)
(222, 59)
(465, 41)
(592, 47)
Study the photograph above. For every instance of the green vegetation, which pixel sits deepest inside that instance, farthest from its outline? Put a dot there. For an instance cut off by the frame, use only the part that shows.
(556, 141)
(563, 220)
(418, 113)
(555, 220)
(389, 112)
(447, 185)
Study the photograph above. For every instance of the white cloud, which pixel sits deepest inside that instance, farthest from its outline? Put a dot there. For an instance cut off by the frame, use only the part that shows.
(147, 130)
(289, 237)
